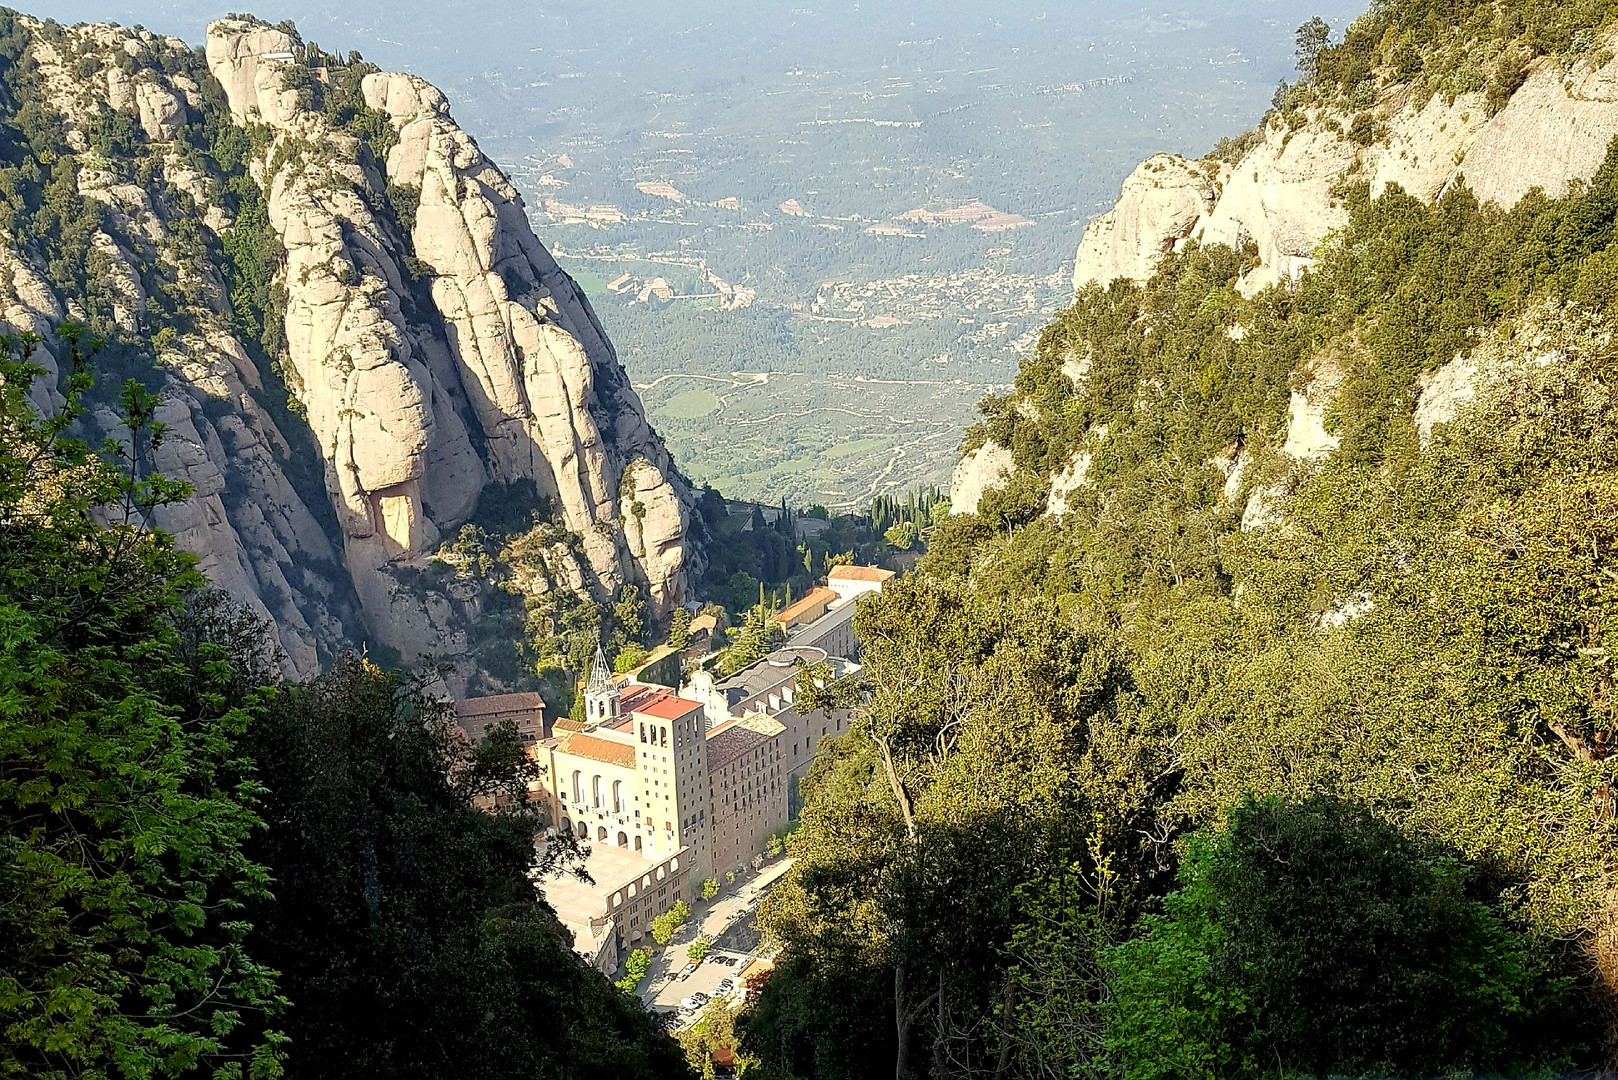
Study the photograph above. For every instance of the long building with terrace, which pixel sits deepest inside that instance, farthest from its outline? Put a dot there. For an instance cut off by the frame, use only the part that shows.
(668, 788)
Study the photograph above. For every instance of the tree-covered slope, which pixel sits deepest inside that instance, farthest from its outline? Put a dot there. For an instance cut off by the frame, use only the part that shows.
(206, 872)
(1275, 665)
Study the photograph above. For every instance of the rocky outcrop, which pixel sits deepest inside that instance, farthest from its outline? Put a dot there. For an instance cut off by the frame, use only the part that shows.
(1441, 393)
(1282, 198)
(1555, 129)
(977, 472)
(545, 386)
(431, 344)
(1163, 200)
(1066, 483)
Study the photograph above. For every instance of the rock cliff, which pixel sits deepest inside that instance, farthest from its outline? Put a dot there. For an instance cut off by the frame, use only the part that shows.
(352, 326)
(1163, 200)
(1282, 196)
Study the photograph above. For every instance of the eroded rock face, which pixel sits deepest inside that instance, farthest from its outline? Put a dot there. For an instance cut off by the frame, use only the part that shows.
(984, 468)
(1066, 483)
(420, 363)
(1280, 199)
(1163, 200)
(1555, 129)
(404, 344)
(1441, 394)
(1282, 196)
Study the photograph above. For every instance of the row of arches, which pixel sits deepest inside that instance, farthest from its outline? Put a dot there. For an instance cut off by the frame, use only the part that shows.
(582, 829)
(595, 791)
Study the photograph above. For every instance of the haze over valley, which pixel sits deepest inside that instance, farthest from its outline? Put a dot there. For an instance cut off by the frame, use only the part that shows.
(817, 234)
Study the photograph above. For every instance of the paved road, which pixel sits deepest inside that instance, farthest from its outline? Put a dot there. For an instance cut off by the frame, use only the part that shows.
(663, 988)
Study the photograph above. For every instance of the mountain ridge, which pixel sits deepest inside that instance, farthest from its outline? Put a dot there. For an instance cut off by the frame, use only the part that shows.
(352, 328)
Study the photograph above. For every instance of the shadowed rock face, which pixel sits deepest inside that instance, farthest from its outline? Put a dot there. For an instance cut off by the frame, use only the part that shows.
(1280, 196)
(428, 358)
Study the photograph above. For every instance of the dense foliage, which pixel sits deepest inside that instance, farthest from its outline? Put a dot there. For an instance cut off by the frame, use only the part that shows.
(411, 938)
(202, 873)
(1313, 938)
(1034, 855)
(125, 798)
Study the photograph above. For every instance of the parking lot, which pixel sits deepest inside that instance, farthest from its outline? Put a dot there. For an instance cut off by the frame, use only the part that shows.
(664, 989)
(715, 967)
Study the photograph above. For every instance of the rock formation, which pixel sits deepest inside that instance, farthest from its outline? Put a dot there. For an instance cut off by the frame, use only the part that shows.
(978, 471)
(429, 345)
(1281, 197)
(1163, 200)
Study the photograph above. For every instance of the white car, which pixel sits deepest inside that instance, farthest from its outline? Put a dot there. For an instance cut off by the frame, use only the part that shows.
(724, 987)
(694, 1002)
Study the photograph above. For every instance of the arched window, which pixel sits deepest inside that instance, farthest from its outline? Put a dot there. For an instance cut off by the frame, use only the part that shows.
(578, 786)
(617, 796)
(637, 841)
(623, 839)
(595, 790)
(663, 736)
(643, 731)
(601, 832)
(567, 826)
(584, 831)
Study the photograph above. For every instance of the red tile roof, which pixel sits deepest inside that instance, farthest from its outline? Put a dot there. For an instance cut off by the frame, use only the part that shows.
(667, 707)
(858, 573)
(635, 696)
(613, 753)
(816, 598)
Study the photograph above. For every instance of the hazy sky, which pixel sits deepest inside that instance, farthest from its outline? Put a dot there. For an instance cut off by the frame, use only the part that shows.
(477, 49)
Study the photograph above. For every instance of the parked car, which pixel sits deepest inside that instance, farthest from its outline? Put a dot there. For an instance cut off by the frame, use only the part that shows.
(694, 1002)
(723, 987)
(685, 972)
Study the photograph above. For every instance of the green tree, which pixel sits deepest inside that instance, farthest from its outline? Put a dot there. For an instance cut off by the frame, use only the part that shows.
(407, 923)
(753, 640)
(680, 629)
(666, 925)
(636, 967)
(698, 949)
(629, 615)
(902, 536)
(627, 657)
(126, 801)
(1311, 40)
(1313, 939)
(714, 1033)
(710, 889)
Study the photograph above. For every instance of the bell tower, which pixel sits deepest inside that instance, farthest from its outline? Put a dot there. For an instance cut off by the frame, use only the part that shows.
(601, 699)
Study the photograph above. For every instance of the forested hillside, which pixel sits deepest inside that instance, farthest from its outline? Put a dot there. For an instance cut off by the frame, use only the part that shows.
(223, 374)
(204, 873)
(1260, 721)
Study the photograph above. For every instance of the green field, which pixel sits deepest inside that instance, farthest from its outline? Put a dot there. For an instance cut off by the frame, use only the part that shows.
(690, 404)
(832, 440)
(852, 447)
